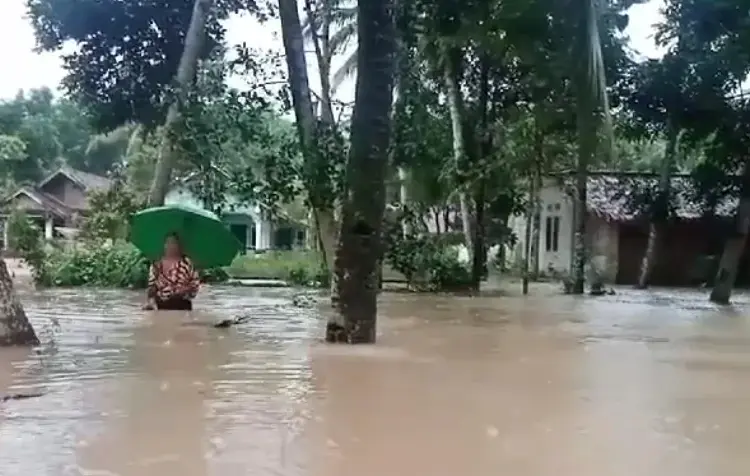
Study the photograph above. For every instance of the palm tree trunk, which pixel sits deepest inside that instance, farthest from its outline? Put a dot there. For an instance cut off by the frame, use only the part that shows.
(536, 216)
(661, 210)
(15, 328)
(360, 247)
(528, 247)
(735, 246)
(294, 47)
(456, 105)
(320, 26)
(586, 148)
(185, 77)
(592, 103)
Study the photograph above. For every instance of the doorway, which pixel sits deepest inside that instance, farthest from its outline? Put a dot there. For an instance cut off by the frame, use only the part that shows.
(240, 231)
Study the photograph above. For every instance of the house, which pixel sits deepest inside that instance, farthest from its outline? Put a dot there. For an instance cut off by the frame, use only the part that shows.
(617, 230)
(56, 203)
(251, 224)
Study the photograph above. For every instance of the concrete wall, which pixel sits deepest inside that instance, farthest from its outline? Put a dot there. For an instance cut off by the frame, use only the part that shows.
(603, 246)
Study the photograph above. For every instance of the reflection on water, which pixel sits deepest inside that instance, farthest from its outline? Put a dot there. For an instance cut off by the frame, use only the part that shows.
(629, 384)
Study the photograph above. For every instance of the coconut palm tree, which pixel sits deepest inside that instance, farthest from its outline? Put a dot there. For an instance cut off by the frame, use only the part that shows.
(593, 114)
(331, 27)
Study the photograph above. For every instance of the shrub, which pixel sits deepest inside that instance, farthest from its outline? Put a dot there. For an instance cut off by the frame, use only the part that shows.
(26, 238)
(301, 268)
(427, 262)
(119, 265)
(111, 210)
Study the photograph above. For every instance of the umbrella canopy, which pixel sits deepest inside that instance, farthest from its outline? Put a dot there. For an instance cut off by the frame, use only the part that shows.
(204, 238)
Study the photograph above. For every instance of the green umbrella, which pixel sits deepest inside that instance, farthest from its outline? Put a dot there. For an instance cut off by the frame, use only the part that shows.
(204, 238)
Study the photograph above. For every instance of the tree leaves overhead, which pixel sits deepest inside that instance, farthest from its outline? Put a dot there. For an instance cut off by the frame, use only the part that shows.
(53, 133)
(125, 53)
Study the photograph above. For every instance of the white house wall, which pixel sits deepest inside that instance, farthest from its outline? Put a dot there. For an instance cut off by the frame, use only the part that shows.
(556, 203)
(240, 214)
(602, 237)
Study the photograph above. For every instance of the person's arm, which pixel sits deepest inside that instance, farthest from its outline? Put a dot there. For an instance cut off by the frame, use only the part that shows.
(151, 288)
(194, 282)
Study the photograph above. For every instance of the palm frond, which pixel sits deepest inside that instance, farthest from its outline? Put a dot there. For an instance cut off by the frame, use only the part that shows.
(345, 71)
(341, 17)
(595, 61)
(343, 37)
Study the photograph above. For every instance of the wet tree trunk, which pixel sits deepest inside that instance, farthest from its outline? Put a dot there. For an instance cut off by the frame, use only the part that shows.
(15, 328)
(456, 106)
(479, 253)
(294, 47)
(735, 246)
(661, 209)
(482, 149)
(186, 72)
(586, 150)
(360, 243)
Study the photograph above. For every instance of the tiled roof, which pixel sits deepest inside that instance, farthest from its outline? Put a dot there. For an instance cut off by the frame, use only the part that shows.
(48, 202)
(88, 181)
(617, 197)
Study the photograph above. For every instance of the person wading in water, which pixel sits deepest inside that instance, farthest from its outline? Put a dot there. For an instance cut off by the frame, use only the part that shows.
(173, 282)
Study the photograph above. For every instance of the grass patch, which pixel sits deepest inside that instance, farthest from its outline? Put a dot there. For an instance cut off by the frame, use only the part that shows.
(294, 267)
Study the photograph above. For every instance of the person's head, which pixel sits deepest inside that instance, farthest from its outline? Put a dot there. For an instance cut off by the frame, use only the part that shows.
(172, 246)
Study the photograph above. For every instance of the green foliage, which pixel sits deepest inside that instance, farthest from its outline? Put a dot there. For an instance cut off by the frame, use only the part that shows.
(94, 264)
(26, 238)
(302, 268)
(235, 143)
(428, 262)
(39, 133)
(122, 68)
(119, 265)
(110, 213)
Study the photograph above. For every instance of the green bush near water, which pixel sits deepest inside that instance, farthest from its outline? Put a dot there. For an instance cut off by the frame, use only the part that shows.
(119, 265)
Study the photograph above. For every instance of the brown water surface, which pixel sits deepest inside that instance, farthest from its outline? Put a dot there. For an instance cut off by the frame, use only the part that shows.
(633, 384)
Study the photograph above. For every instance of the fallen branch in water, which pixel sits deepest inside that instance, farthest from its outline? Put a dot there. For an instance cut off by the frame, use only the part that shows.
(19, 396)
(223, 324)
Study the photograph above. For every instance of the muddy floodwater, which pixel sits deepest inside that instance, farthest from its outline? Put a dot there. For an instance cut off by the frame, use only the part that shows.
(632, 384)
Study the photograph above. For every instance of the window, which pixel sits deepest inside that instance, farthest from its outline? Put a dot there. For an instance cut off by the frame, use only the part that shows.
(552, 233)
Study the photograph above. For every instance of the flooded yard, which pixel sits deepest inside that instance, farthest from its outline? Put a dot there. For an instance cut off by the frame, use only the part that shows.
(637, 383)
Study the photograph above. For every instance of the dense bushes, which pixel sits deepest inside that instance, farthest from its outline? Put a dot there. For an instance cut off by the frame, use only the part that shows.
(428, 262)
(119, 265)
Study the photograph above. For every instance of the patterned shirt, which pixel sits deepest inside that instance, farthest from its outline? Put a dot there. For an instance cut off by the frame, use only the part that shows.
(165, 283)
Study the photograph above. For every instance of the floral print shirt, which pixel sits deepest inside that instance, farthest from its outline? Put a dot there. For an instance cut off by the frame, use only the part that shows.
(181, 280)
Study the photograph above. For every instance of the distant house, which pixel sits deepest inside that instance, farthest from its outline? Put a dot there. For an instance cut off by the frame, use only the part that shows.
(251, 224)
(617, 231)
(56, 203)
